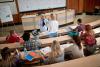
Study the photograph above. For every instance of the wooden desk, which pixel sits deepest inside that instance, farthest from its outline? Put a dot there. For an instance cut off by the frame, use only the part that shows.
(2, 40)
(48, 41)
(90, 61)
(10, 45)
(95, 23)
(98, 40)
(62, 32)
(97, 30)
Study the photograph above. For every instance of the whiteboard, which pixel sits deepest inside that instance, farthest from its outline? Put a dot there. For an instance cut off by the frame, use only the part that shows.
(29, 5)
(5, 14)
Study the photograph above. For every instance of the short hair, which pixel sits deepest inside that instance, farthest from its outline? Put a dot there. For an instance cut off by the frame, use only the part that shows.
(79, 20)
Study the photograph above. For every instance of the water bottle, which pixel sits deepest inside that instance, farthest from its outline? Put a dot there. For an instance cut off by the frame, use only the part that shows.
(25, 51)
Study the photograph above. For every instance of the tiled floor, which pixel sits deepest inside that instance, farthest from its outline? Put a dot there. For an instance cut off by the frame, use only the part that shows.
(18, 28)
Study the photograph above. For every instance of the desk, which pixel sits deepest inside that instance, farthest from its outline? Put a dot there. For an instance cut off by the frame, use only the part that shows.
(36, 58)
(90, 61)
(95, 23)
(97, 30)
(2, 40)
(48, 41)
(10, 45)
(62, 32)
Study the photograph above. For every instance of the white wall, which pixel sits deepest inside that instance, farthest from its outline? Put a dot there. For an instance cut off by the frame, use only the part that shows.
(12, 6)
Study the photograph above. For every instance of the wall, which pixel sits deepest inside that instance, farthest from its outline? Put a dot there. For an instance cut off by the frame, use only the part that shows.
(97, 3)
(78, 5)
(89, 5)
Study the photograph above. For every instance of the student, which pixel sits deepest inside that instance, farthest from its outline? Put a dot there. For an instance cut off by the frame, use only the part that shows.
(80, 26)
(89, 39)
(77, 49)
(13, 37)
(42, 24)
(56, 54)
(53, 25)
(27, 40)
(9, 60)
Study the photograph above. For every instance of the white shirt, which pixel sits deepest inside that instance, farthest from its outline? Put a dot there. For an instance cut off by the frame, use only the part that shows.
(44, 28)
(53, 26)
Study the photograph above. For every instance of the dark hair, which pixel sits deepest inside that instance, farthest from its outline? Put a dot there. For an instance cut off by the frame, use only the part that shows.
(26, 36)
(43, 23)
(5, 53)
(8, 60)
(79, 20)
(77, 40)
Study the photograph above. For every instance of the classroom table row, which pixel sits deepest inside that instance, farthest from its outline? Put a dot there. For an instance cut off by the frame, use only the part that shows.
(64, 31)
(61, 39)
(90, 61)
(47, 41)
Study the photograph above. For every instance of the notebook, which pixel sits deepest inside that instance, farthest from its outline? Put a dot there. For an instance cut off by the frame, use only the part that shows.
(29, 57)
(45, 50)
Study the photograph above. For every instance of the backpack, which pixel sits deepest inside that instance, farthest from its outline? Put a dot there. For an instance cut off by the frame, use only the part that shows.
(90, 40)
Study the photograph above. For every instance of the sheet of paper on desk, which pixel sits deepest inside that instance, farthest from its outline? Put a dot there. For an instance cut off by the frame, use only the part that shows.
(45, 50)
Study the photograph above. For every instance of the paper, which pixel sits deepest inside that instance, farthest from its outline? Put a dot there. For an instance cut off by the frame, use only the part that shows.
(45, 50)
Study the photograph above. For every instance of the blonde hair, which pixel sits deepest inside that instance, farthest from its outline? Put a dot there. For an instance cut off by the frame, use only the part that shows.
(55, 49)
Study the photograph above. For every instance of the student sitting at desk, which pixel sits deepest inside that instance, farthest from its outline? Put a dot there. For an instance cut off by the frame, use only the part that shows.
(27, 41)
(13, 37)
(89, 39)
(9, 60)
(53, 26)
(77, 49)
(42, 24)
(81, 26)
(56, 54)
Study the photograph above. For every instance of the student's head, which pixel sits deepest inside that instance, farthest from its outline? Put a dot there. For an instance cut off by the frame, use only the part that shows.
(5, 53)
(88, 27)
(42, 16)
(79, 21)
(55, 48)
(52, 17)
(8, 59)
(26, 36)
(12, 32)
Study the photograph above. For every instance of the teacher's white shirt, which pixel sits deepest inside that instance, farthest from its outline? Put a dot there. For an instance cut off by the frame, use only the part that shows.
(53, 26)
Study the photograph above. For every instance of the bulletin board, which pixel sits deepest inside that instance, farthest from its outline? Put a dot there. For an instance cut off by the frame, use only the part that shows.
(5, 14)
(29, 5)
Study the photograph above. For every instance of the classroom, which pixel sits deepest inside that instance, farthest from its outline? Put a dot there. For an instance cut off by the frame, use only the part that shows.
(49, 33)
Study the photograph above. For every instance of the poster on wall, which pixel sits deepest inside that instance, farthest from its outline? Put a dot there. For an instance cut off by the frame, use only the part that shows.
(5, 14)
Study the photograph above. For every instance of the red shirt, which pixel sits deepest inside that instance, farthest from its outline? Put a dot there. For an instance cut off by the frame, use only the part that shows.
(12, 38)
